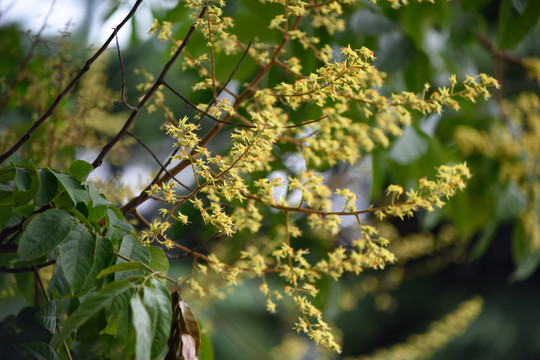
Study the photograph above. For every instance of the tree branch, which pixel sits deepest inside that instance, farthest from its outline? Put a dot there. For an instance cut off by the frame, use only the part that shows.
(4, 269)
(143, 196)
(68, 88)
(500, 54)
(160, 80)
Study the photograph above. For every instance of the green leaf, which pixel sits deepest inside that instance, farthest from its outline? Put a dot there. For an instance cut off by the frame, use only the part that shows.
(366, 22)
(23, 180)
(96, 214)
(75, 190)
(125, 266)
(159, 261)
(157, 301)
(104, 252)
(40, 350)
(80, 169)
(91, 306)
(76, 256)
(516, 19)
(48, 314)
(143, 329)
(28, 322)
(121, 301)
(119, 324)
(117, 227)
(58, 284)
(6, 196)
(7, 173)
(27, 183)
(47, 189)
(44, 233)
(408, 148)
(206, 351)
(96, 198)
(134, 250)
(112, 325)
(25, 210)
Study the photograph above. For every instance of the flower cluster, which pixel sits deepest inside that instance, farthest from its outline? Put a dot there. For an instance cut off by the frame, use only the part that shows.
(340, 86)
(429, 195)
(233, 189)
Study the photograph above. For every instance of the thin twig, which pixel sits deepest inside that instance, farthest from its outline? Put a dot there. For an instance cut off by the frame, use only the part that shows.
(193, 106)
(123, 74)
(209, 105)
(131, 205)
(40, 282)
(307, 122)
(38, 278)
(143, 196)
(224, 88)
(160, 80)
(162, 167)
(186, 250)
(68, 88)
(236, 67)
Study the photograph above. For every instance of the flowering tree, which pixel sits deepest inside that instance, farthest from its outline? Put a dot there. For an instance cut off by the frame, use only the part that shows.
(252, 189)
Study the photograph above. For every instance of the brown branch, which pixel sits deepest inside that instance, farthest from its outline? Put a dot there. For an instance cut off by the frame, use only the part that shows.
(68, 88)
(7, 233)
(500, 57)
(143, 196)
(4, 269)
(160, 80)
(500, 54)
(169, 160)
